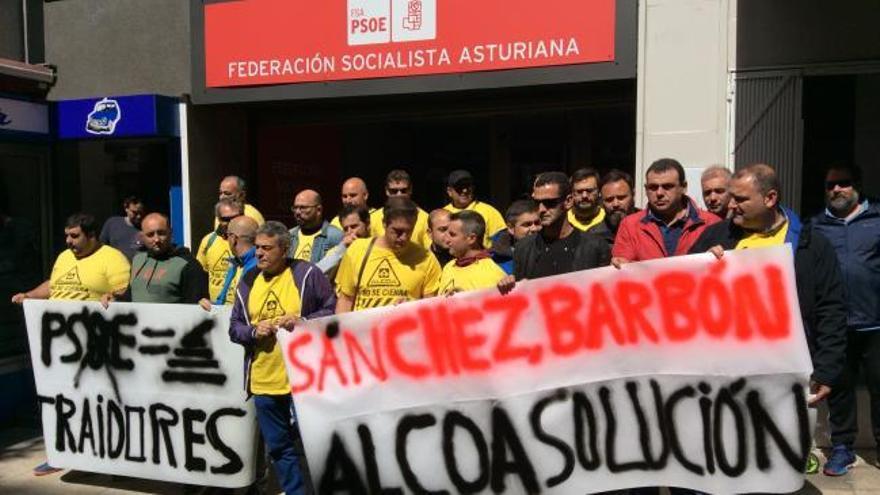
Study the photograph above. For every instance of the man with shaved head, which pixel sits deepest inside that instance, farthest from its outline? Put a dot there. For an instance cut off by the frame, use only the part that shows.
(240, 235)
(163, 272)
(313, 236)
(354, 194)
(234, 188)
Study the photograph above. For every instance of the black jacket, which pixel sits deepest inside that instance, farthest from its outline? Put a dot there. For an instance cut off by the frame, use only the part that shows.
(819, 287)
(591, 252)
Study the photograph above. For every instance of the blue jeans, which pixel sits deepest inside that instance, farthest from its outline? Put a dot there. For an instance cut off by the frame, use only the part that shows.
(276, 419)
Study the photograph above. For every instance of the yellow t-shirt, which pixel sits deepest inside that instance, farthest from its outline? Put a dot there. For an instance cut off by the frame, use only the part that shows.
(764, 239)
(304, 245)
(420, 231)
(215, 261)
(599, 218)
(386, 277)
(482, 274)
(494, 221)
(270, 300)
(89, 278)
(249, 211)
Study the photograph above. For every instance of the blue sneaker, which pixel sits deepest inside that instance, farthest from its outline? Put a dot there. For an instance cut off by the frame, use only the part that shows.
(44, 469)
(842, 458)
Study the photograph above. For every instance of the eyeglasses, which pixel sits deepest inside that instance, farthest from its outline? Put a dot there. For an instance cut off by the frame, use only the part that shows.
(843, 184)
(550, 203)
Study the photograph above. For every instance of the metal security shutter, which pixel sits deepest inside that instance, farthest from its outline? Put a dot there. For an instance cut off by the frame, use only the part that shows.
(769, 127)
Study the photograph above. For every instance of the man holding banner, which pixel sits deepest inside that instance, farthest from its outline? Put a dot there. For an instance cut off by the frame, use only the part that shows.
(163, 273)
(558, 247)
(758, 220)
(390, 268)
(279, 294)
(86, 271)
(670, 224)
(472, 268)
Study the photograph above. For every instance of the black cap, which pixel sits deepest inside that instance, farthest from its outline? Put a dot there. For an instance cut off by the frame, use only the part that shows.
(457, 177)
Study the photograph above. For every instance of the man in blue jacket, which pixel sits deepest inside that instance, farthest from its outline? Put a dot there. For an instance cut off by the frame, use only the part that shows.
(852, 224)
(279, 293)
(313, 236)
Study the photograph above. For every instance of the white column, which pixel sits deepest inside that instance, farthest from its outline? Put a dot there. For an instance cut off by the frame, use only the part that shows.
(184, 173)
(684, 104)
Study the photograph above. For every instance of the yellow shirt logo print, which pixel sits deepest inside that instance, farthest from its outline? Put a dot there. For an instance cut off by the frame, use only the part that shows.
(271, 308)
(70, 278)
(305, 253)
(384, 276)
(222, 263)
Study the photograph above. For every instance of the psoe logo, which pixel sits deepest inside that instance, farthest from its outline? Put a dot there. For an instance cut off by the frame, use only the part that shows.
(104, 117)
(373, 22)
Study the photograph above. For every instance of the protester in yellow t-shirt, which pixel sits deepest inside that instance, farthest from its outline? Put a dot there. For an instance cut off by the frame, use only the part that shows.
(234, 188)
(587, 211)
(472, 268)
(278, 294)
(387, 269)
(214, 252)
(399, 183)
(354, 195)
(460, 189)
(86, 270)
(756, 219)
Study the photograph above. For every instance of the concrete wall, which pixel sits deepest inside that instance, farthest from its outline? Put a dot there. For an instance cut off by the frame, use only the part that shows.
(686, 49)
(11, 30)
(118, 47)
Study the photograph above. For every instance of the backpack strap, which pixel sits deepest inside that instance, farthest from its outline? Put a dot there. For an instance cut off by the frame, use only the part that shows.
(210, 242)
(361, 272)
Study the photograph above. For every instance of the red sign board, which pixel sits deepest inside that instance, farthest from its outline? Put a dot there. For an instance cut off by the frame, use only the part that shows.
(257, 42)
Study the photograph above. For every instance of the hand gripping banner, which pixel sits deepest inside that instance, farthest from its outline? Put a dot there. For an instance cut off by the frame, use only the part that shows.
(688, 372)
(147, 390)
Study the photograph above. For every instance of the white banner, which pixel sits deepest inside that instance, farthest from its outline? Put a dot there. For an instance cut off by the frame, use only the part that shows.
(147, 390)
(687, 372)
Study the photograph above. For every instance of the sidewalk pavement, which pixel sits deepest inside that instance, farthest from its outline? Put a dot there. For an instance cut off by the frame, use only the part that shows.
(22, 449)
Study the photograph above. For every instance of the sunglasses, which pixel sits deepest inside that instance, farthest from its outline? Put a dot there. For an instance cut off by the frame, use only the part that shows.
(228, 219)
(665, 187)
(831, 184)
(550, 203)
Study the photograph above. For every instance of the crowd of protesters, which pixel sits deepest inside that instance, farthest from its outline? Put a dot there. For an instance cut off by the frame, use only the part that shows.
(370, 257)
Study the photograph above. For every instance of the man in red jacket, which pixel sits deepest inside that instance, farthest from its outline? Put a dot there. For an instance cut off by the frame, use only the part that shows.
(670, 224)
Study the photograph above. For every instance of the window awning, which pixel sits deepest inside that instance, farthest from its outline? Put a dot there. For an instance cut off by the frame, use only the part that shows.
(39, 73)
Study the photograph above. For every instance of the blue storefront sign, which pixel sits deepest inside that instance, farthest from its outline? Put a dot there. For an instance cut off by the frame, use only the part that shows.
(118, 116)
